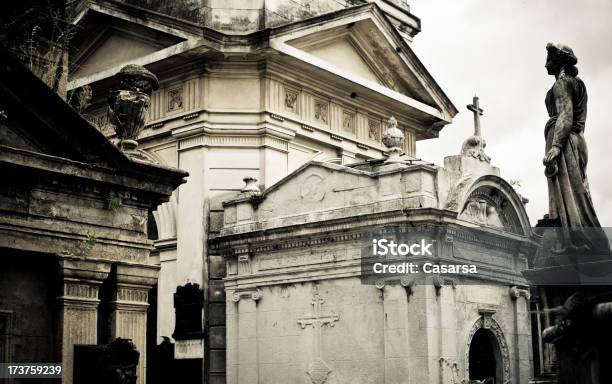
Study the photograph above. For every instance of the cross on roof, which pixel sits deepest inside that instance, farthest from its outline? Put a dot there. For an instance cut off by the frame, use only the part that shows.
(475, 108)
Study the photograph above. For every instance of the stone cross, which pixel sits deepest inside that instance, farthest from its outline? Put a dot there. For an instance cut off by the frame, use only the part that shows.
(475, 108)
(318, 370)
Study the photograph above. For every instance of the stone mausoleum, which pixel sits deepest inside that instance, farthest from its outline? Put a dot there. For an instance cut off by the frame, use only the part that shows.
(75, 265)
(296, 96)
(298, 310)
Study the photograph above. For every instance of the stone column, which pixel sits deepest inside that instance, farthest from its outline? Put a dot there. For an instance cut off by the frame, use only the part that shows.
(448, 326)
(523, 358)
(397, 346)
(78, 306)
(128, 307)
(246, 357)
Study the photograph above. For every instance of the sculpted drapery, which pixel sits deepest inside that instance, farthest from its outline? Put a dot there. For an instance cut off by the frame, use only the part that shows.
(566, 158)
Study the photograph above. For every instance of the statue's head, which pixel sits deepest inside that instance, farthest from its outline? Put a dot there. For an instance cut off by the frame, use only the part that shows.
(560, 57)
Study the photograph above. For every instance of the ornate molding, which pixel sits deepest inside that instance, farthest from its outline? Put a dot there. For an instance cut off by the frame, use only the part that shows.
(205, 140)
(277, 117)
(191, 116)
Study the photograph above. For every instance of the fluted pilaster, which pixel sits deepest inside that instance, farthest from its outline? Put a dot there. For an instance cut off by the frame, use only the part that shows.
(128, 317)
(78, 306)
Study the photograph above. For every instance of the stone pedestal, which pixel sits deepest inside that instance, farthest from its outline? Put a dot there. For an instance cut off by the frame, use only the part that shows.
(78, 306)
(577, 298)
(128, 307)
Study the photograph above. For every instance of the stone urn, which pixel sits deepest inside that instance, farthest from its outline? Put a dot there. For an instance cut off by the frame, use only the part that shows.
(393, 139)
(129, 104)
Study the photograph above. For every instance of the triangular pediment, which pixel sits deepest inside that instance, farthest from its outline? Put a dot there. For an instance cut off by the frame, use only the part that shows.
(344, 53)
(112, 48)
(361, 45)
(108, 37)
(317, 186)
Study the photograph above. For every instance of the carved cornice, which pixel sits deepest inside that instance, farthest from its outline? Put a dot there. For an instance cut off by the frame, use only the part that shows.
(332, 233)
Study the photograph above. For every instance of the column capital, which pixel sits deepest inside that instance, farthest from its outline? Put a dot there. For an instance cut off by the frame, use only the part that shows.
(73, 267)
(81, 280)
(136, 274)
(253, 293)
(132, 285)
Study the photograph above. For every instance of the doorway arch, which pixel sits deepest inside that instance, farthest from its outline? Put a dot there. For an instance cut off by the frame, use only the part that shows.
(487, 353)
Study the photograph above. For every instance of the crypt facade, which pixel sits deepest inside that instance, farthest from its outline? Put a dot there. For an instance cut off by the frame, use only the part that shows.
(75, 266)
(298, 307)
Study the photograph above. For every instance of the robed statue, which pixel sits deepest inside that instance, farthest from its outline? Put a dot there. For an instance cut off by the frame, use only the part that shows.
(570, 204)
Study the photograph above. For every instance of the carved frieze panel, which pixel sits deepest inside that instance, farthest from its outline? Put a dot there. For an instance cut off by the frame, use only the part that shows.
(348, 122)
(175, 99)
(291, 100)
(321, 112)
(374, 130)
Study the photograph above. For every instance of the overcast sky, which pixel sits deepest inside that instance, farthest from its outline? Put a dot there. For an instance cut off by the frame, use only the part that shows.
(496, 49)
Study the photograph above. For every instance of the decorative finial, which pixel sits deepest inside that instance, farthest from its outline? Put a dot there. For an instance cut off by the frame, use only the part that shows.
(129, 104)
(393, 139)
(474, 145)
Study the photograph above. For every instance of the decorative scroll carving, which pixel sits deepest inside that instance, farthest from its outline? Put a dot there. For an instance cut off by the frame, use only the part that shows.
(321, 110)
(516, 293)
(254, 294)
(455, 193)
(175, 99)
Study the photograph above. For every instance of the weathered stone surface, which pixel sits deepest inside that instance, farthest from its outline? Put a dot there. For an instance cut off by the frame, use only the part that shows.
(74, 203)
(315, 317)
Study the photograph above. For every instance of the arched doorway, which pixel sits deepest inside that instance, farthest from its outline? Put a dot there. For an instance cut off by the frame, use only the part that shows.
(482, 358)
(487, 355)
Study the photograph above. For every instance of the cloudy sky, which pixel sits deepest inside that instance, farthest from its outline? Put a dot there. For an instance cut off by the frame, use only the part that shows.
(496, 49)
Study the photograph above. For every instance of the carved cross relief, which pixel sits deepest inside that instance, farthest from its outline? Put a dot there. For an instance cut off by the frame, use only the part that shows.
(318, 370)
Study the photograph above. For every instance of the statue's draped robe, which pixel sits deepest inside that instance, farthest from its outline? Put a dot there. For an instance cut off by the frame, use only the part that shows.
(569, 197)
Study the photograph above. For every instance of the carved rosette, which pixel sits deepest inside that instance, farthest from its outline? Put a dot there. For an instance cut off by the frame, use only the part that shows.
(393, 139)
(129, 104)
